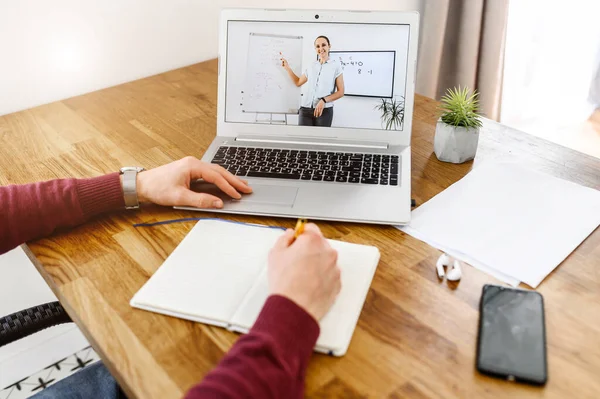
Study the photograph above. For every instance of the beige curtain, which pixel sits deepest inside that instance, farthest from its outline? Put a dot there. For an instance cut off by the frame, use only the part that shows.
(462, 43)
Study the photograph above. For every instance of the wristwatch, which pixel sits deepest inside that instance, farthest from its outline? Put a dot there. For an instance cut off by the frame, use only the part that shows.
(323, 98)
(130, 186)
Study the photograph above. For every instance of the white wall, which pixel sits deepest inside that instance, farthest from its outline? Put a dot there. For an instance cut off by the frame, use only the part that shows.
(51, 50)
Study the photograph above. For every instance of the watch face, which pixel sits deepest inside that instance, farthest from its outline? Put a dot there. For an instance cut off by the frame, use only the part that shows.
(131, 169)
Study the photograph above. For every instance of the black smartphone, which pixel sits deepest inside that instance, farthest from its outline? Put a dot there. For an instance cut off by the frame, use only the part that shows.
(512, 335)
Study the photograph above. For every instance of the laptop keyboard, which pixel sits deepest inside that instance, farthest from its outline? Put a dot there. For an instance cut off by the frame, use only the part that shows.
(340, 167)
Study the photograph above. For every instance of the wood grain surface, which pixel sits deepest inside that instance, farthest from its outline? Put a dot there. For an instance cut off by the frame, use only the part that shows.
(416, 336)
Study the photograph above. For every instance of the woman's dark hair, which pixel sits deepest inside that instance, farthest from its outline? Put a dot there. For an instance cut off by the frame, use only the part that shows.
(324, 37)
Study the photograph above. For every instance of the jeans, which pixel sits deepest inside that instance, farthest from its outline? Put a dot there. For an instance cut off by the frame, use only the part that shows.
(307, 117)
(92, 382)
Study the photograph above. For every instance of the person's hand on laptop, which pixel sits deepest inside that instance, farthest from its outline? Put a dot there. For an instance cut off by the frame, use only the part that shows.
(305, 270)
(169, 184)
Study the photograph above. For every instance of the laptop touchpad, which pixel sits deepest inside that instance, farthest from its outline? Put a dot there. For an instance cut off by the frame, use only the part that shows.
(271, 195)
(262, 194)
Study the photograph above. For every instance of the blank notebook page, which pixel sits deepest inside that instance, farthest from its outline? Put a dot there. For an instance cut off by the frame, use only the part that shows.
(209, 273)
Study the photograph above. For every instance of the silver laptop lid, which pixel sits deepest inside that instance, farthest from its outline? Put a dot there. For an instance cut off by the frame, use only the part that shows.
(265, 54)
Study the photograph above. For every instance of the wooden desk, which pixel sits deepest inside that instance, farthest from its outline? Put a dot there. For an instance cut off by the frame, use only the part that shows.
(416, 336)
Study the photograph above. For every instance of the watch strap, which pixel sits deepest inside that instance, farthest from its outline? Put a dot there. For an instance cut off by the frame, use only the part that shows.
(130, 186)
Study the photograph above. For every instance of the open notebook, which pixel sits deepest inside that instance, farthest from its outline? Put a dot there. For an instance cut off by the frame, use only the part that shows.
(218, 275)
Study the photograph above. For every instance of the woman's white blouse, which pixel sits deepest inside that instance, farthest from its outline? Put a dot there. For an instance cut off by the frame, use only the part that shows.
(321, 82)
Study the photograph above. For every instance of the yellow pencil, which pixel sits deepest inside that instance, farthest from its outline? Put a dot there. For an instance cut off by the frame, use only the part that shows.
(299, 227)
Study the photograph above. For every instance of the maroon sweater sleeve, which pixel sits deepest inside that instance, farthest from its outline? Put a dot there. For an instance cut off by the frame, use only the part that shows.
(35, 210)
(268, 362)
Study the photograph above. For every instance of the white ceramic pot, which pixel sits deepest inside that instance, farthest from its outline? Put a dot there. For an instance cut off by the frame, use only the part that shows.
(455, 144)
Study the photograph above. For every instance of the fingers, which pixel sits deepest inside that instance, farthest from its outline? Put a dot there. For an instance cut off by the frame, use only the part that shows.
(338, 278)
(313, 236)
(236, 182)
(336, 275)
(333, 274)
(217, 175)
(311, 227)
(334, 258)
(216, 178)
(198, 200)
(285, 240)
(199, 169)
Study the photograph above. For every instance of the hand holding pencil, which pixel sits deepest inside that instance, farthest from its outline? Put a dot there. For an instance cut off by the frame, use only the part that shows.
(299, 227)
(303, 268)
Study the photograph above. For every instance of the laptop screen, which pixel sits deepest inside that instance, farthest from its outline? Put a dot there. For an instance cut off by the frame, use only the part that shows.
(344, 75)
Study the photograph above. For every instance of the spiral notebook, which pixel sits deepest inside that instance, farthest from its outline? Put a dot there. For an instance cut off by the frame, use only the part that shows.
(218, 275)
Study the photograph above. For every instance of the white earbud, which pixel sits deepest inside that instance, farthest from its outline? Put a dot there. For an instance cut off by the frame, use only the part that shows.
(443, 260)
(454, 274)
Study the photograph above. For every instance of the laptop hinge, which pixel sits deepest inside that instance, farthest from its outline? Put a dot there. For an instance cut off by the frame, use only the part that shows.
(314, 142)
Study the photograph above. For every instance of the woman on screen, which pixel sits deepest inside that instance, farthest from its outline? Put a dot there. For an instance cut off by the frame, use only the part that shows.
(323, 76)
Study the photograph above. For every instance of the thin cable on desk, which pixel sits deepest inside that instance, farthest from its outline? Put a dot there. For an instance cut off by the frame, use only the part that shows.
(197, 219)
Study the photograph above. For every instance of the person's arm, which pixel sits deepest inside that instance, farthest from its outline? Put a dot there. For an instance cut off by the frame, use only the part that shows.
(32, 211)
(339, 93)
(35, 210)
(298, 81)
(270, 361)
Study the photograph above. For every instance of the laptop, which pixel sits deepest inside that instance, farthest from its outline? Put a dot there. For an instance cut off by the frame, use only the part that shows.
(315, 111)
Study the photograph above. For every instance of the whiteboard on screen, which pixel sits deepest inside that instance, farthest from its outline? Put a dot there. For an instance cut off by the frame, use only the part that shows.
(367, 73)
(268, 87)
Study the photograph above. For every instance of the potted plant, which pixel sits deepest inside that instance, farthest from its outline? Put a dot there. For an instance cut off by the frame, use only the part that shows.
(457, 130)
(392, 113)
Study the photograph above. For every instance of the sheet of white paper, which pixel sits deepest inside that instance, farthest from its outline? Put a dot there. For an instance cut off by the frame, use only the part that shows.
(460, 256)
(510, 220)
